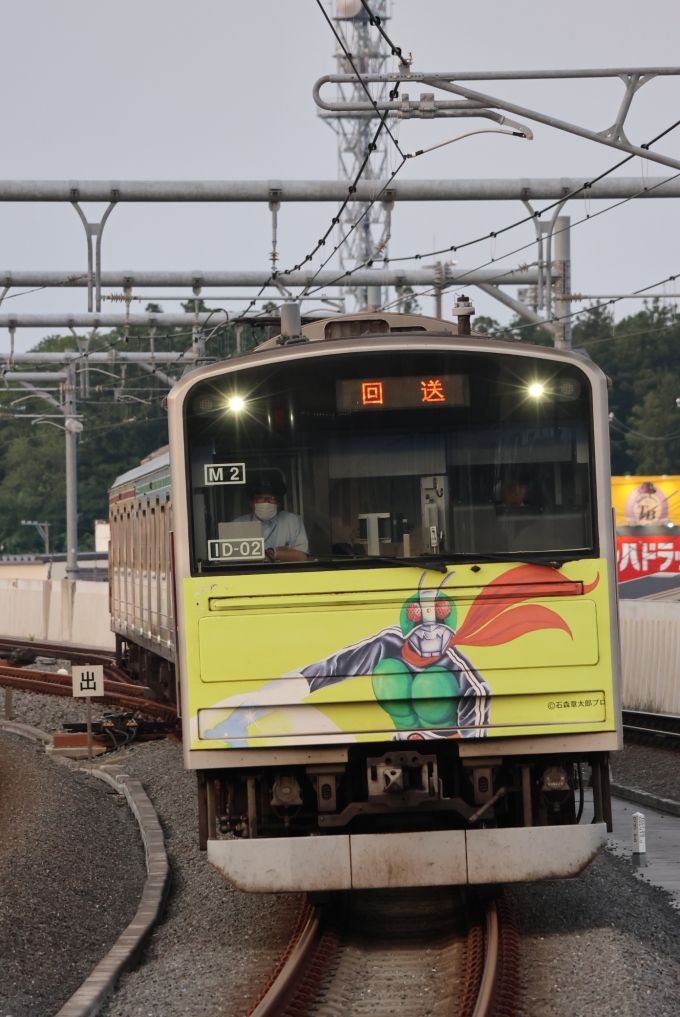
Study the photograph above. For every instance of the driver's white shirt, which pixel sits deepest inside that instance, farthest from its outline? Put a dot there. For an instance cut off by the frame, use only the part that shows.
(286, 529)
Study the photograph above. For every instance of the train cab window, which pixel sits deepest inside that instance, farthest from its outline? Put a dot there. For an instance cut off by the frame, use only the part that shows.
(336, 461)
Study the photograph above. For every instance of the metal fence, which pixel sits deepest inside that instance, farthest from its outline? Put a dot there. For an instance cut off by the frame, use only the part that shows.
(650, 655)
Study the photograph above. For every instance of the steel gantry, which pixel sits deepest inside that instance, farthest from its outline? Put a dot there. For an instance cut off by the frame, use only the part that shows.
(472, 104)
(360, 49)
(437, 277)
(311, 191)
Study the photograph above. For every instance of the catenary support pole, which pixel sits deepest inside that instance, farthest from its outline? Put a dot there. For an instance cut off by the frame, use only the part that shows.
(562, 282)
(72, 427)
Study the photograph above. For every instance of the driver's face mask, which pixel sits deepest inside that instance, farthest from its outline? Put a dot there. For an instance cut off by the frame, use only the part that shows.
(265, 510)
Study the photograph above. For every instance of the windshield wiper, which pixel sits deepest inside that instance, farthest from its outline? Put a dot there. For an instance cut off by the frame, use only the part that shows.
(503, 557)
(436, 566)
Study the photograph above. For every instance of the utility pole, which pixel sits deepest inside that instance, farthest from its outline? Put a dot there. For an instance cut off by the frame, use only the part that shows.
(355, 133)
(72, 427)
(562, 284)
(42, 528)
(438, 288)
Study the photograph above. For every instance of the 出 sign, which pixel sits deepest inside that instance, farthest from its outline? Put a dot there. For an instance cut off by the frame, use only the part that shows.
(88, 680)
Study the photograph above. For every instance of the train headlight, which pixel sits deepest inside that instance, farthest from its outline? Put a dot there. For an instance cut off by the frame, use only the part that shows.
(236, 404)
(536, 390)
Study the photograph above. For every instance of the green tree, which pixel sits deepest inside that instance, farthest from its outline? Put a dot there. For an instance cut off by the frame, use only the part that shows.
(653, 443)
(124, 419)
(639, 355)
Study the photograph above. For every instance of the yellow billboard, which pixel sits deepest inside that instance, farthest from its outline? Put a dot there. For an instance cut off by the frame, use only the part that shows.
(646, 501)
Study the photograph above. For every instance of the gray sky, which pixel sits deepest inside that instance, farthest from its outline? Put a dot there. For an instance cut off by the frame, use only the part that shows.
(215, 90)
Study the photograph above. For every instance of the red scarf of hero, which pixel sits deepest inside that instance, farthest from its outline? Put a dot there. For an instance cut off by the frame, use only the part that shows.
(492, 621)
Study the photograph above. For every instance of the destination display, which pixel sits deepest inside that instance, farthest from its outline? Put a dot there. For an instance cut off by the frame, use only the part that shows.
(416, 391)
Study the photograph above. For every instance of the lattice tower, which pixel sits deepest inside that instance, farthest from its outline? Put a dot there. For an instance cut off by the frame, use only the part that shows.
(355, 132)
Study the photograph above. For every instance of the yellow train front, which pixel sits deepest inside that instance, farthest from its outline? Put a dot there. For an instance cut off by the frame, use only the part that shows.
(396, 606)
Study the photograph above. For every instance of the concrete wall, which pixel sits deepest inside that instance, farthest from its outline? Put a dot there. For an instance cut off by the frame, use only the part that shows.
(51, 570)
(78, 612)
(23, 570)
(650, 654)
(56, 610)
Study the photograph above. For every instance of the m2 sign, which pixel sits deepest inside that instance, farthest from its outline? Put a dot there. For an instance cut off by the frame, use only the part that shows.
(224, 473)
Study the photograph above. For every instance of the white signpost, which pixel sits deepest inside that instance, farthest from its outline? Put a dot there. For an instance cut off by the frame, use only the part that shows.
(88, 681)
(639, 839)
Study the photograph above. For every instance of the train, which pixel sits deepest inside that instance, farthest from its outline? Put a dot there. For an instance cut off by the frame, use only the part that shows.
(376, 570)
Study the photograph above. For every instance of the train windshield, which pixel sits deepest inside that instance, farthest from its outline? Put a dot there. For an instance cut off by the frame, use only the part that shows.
(339, 460)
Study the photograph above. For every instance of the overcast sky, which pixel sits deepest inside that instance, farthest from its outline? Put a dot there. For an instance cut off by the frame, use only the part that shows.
(219, 90)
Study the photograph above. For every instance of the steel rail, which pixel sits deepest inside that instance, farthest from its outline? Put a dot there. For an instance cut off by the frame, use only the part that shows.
(489, 986)
(282, 989)
(226, 191)
(70, 651)
(653, 731)
(649, 724)
(48, 683)
(119, 689)
(500, 968)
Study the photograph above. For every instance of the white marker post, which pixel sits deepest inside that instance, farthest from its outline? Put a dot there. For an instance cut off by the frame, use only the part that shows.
(88, 681)
(639, 841)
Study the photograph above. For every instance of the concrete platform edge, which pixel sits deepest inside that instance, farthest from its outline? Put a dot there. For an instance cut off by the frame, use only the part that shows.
(26, 731)
(98, 987)
(639, 797)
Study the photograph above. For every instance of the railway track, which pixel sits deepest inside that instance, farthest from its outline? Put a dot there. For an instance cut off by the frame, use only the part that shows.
(660, 729)
(413, 952)
(119, 689)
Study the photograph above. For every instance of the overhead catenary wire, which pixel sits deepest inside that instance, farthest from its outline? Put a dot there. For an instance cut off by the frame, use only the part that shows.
(516, 250)
(350, 60)
(614, 422)
(593, 307)
(376, 21)
(353, 186)
(454, 283)
(453, 248)
(629, 335)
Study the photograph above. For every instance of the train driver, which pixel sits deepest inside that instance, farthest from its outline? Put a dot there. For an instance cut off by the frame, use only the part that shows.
(284, 533)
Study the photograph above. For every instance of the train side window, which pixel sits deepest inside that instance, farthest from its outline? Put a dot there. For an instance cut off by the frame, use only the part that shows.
(164, 540)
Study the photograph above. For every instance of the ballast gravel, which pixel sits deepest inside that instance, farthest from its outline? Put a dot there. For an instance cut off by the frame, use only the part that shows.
(72, 873)
(603, 945)
(652, 769)
(213, 952)
(49, 713)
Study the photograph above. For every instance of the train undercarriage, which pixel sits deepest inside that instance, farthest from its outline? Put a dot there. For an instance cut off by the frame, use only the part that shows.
(143, 663)
(416, 807)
